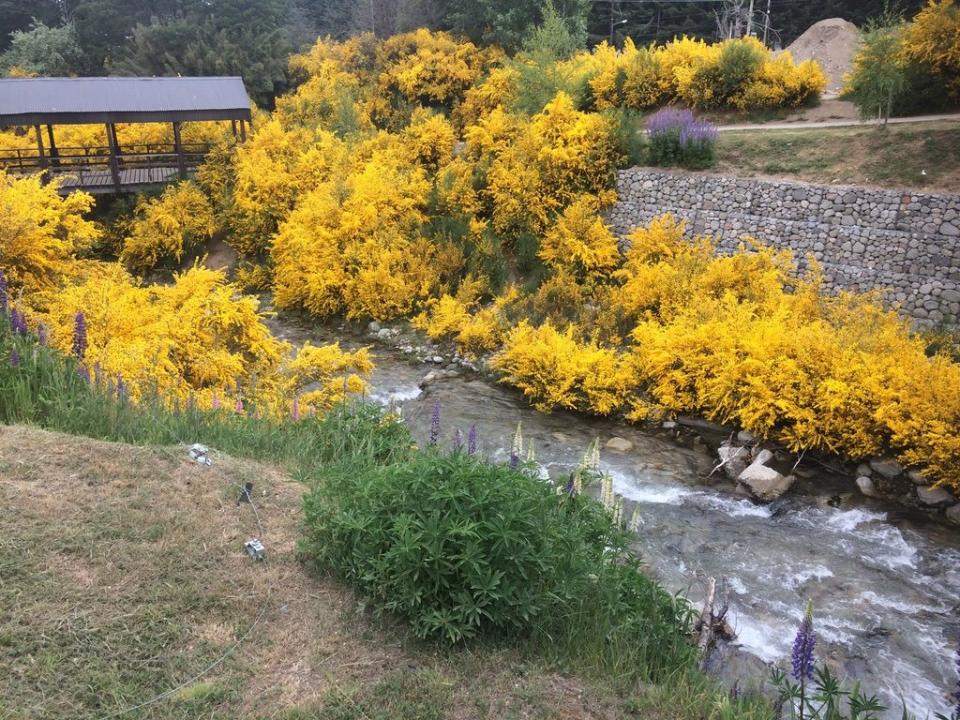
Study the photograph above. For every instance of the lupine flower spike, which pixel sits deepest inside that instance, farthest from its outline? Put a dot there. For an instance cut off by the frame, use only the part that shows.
(803, 646)
(635, 520)
(42, 335)
(79, 347)
(472, 440)
(4, 293)
(295, 410)
(215, 403)
(516, 449)
(435, 424)
(457, 440)
(18, 322)
(531, 457)
(239, 406)
(14, 358)
(84, 374)
(121, 389)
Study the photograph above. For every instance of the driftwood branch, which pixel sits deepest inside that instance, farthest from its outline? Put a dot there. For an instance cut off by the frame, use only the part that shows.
(706, 621)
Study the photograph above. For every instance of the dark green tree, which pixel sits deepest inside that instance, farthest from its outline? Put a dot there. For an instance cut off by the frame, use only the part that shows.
(43, 50)
(250, 38)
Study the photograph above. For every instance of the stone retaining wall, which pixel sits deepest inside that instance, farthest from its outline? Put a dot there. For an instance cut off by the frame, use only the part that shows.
(905, 243)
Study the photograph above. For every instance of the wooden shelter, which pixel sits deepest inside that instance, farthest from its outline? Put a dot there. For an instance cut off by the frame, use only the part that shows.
(39, 102)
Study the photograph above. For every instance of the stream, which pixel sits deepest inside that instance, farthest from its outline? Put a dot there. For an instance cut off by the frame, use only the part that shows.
(885, 582)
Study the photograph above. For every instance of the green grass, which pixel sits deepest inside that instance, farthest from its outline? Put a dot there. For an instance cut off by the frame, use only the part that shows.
(159, 567)
(922, 155)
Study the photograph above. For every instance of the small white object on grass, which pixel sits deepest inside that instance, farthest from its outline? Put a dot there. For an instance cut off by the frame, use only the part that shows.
(200, 454)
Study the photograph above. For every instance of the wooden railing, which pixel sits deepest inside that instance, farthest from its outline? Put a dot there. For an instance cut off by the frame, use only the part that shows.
(73, 159)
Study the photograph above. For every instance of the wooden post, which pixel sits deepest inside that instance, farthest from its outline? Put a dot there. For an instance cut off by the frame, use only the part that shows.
(243, 131)
(178, 148)
(114, 152)
(43, 157)
(54, 153)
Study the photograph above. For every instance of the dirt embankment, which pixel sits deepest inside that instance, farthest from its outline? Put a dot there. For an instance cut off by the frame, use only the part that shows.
(833, 44)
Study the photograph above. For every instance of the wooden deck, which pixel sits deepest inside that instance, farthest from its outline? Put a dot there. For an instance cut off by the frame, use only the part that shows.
(101, 181)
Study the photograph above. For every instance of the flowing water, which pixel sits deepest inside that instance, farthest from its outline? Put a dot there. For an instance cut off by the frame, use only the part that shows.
(885, 584)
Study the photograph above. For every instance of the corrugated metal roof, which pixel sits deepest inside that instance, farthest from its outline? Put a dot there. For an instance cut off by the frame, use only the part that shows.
(121, 99)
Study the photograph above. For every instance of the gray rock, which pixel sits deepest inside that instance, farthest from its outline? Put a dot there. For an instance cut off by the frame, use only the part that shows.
(618, 444)
(933, 497)
(373, 327)
(917, 478)
(745, 437)
(864, 470)
(735, 460)
(953, 514)
(866, 486)
(764, 483)
(886, 467)
(668, 425)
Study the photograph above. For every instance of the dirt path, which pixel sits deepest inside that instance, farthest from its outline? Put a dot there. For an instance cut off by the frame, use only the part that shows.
(801, 124)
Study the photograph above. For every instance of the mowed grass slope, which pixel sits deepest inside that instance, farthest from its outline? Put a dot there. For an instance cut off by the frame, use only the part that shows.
(122, 574)
(922, 155)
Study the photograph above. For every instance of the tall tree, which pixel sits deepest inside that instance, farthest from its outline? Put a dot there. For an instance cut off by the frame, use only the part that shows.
(43, 50)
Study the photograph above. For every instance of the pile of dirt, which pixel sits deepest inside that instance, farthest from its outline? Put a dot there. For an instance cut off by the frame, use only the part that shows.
(833, 44)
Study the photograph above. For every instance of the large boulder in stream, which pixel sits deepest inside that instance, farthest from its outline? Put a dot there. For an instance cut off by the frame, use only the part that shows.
(763, 483)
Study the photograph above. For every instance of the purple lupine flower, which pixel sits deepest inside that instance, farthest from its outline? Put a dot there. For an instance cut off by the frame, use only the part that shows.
(215, 404)
(42, 335)
(472, 440)
(14, 358)
(682, 123)
(457, 440)
(803, 646)
(295, 410)
(435, 424)
(18, 322)
(4, 293)
(84, 374)
(121, 388)
(98, 373)
(79, 347)
(239, 406)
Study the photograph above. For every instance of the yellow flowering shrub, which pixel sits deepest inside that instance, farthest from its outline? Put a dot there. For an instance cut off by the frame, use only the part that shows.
(497, 90)
(738, 74)
(431, 139)
(932, 41)
(431, 68)
(41, 233)
(555, 370)
(538, 167)
(351, 245)
(581, 242)
(162, 227)
(194, 337)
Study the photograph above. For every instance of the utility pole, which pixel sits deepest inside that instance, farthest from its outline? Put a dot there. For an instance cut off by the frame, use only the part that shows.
(611, 23)
(750, 20)
(766, 24)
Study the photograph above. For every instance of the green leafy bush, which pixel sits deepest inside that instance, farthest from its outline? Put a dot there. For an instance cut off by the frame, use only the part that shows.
(463, 548)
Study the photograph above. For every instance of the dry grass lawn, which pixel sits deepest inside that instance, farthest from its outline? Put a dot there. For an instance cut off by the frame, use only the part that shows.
(922, 155)
(122, 574)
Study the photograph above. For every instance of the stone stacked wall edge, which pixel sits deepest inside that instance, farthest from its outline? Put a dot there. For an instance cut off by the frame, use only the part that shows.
(904, 243)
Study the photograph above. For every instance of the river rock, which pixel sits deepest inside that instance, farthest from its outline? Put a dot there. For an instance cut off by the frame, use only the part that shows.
(746, 438)
(933, 497)
(866, 486)
(373, 327)
(735, 460)
(917, 478)
(864, 470)
(953, 514)
(886, 467)
(668, 424)
(618, 444)
(762, 482)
